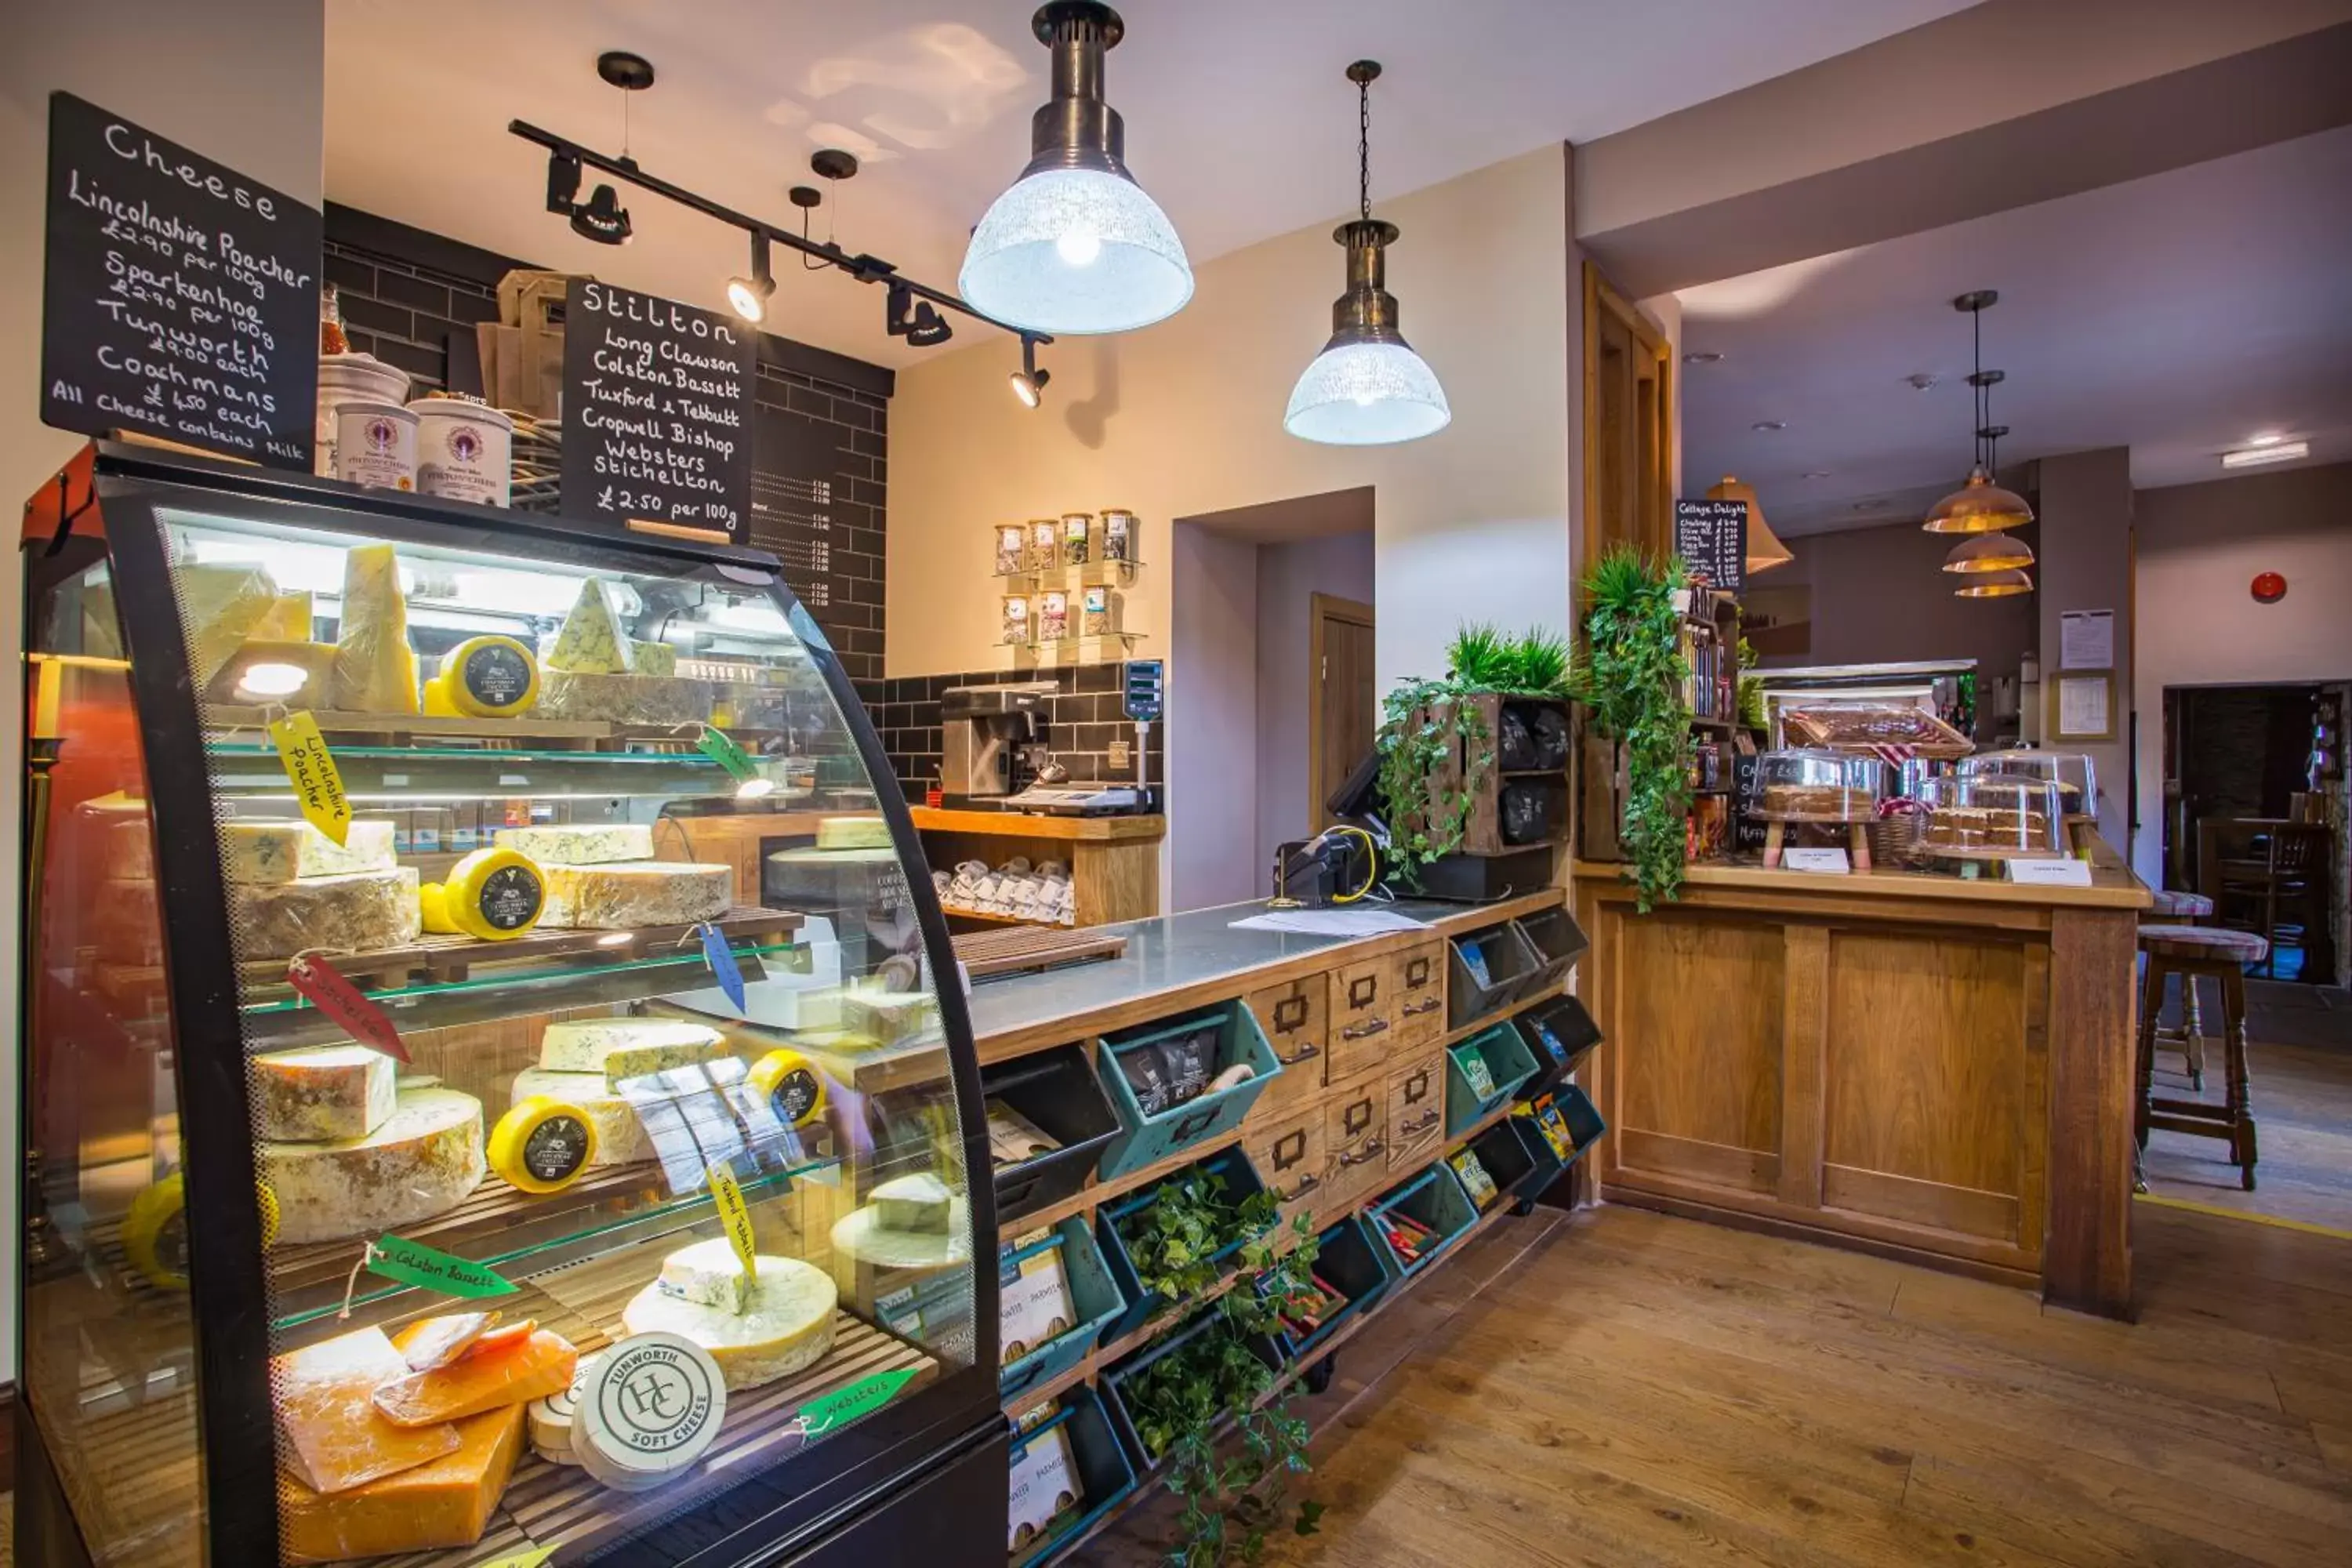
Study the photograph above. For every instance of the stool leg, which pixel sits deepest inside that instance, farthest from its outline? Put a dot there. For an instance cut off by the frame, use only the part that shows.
(2192, 1021)
(2242, 1109)
(2151, 1003)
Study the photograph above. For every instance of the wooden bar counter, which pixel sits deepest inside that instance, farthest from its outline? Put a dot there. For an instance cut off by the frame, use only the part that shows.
(1922, 1066)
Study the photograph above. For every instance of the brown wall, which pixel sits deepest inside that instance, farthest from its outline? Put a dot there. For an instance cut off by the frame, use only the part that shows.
(1880, 595)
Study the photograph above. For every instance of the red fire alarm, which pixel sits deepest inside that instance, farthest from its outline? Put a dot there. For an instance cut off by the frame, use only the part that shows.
(2269, 588)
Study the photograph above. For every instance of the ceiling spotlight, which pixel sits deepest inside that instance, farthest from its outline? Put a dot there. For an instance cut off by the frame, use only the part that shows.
(749, 296)
(1989, 552)
(1816, 473)
(2275, 450)
(2267, 438)
(1995, 585)
(563, 182)
(1921, 382)
(1029, 382)
(1702, 359)
(604, 219)
(1770, 424)
(1075, 246)
(917, 322)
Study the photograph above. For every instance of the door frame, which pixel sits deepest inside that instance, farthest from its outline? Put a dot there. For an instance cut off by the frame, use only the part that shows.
(1320, 608)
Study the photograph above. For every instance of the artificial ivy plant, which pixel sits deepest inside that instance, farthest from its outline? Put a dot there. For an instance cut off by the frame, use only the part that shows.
(1629, 675)
(1180, 1402)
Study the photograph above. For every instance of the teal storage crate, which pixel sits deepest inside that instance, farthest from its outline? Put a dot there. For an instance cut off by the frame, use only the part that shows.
(1105, 1477)
(1147, 1138)
(1095, 1303)
(1362, 1268)
(1508, 1062)
(1433, 1199)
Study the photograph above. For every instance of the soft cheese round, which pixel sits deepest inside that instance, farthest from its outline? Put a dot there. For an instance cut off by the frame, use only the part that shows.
(786, 1324)
(423, 1161)
(651, 1407)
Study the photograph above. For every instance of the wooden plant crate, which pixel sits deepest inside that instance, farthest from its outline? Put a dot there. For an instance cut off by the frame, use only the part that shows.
(1483, 833)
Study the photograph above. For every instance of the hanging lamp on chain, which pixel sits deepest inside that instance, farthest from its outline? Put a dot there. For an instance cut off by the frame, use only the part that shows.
(1979, 506)
(1995, 585)
(1075, 245)
(1367, 388)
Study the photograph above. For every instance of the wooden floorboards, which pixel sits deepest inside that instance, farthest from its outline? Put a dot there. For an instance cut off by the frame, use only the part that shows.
(1625, 1388)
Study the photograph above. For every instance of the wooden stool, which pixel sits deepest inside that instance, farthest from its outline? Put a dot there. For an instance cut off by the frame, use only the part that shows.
(2172, 906)
(2194, 952)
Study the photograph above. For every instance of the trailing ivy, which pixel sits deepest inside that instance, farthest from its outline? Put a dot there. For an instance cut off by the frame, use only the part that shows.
(1630, 676)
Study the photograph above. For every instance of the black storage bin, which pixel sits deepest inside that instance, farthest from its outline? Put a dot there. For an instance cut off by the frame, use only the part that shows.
(1115, 1380)
(1057, 1090)
(1531, 811)
(1464, 878)
(1560, 1033)
(1558, 941)
(1510, 963)
(1515, 1154)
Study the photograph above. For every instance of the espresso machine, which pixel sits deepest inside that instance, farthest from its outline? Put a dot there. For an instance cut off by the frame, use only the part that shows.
(991, 736)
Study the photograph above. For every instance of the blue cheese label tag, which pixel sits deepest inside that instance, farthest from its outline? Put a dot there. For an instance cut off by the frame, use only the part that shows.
(720, 957)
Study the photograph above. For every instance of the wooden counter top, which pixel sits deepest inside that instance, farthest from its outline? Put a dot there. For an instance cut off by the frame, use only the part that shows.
(2113, 887)
(1024, 825)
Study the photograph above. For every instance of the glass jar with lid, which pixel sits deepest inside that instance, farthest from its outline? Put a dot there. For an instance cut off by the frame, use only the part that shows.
(1992, 816)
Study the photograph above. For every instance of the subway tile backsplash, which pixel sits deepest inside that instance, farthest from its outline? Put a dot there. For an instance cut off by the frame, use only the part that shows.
(1082, 722)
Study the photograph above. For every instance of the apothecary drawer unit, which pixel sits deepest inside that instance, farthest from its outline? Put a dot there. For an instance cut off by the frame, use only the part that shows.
(1296, 1017)
(1228, 1035)
(1419, 996)
(1356, 1139)
(1293, 1160)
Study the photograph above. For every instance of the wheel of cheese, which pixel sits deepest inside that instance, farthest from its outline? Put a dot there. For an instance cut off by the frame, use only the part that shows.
(437, 701)
(792, 1084)
(543, 1145)
(650, 1407)
(421, 1162)
(432, 909)
(489, 678)
(552, 1418)
(786, 1324)
(155, 1229)
(494, 894)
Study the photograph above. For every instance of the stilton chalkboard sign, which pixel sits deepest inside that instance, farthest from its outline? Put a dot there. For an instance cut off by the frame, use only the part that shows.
(179, 298)
(657, 412)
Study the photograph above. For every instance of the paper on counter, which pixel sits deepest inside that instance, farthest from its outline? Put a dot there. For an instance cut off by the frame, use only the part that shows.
(1331, 922)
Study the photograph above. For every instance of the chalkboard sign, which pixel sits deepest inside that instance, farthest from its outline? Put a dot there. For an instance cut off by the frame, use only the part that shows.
(1711, 536)
(656, 411)
(180, 299)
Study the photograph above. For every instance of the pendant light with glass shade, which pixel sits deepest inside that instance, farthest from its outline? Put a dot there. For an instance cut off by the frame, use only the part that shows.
(1979, 506)
(1367, 388)
(1075, 246)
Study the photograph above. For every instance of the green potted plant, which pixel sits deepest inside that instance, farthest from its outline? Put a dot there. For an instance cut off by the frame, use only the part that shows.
(1629, 676)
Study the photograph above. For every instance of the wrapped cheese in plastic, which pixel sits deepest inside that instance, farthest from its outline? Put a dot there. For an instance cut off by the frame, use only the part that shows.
(376, 669)
(220, 606)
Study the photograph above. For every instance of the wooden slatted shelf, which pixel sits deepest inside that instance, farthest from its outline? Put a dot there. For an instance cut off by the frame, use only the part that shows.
(1027, 948)
(444, 958)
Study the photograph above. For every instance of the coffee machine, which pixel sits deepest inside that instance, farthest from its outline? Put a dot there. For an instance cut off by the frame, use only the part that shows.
(989, 736)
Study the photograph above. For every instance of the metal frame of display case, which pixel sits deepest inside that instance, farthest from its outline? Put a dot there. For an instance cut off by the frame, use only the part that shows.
(835, 1486)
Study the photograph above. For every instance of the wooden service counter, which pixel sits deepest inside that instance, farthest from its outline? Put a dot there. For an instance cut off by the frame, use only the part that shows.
(1922, 1066)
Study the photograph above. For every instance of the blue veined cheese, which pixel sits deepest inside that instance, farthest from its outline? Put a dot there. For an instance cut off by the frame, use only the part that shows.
(323, 1094)
(421, 1162)
(593, 641)
(595, 844)
(364, 912)
(617, 1048)
(707, 1274)
(627, 894)
(622, 699)
(917, 1204)
(654, 657)
(261, 853)
(620, 1137)
(787, 1323)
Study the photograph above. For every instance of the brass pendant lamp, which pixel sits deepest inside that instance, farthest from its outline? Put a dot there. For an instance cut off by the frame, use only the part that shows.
(1995, 585)
(1980, 506)
(1765, 549)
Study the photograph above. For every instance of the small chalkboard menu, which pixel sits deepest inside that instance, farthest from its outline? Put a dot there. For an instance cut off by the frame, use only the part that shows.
(179, 298)
(657, 412)
(1711, 536)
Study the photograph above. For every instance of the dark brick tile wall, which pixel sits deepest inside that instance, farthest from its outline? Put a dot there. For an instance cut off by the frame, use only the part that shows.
(1082, 722)
(404, 313)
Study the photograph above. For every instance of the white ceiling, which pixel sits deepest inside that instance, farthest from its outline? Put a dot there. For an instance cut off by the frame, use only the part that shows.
(1239, 118)
(2177, 315)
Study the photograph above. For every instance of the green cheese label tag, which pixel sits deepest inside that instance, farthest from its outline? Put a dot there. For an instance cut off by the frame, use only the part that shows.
(720, 748)
(846, 1405)
(414, 1263)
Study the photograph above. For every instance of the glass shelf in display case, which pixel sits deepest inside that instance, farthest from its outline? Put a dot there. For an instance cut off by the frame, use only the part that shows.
(1991, 817)
(293, 1103)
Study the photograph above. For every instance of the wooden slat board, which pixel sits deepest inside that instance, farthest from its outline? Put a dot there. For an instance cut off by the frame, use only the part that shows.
(454, 957)
(1019, 947)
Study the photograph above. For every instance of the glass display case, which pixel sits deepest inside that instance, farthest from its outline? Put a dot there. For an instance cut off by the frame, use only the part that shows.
(2072, 771)
(448, 1138)
(1816, 785)
(1991, 817)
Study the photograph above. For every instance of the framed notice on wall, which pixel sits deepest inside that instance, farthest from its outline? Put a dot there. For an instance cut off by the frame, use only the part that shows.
(2081, 705)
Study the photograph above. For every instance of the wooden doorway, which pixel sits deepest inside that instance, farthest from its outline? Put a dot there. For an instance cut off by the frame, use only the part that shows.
(1629, 425)
(1342, 701)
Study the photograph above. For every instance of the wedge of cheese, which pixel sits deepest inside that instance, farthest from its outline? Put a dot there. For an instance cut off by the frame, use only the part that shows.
(620, 1138)
(626, 895)
(707, 1274)
(654, 657)
(423, 1161)
(786, 1324)
(321, 1094)
(596, 845)
(517, 1375)
(376, 669)
(220, 606)
(918, 1204)
(622, 698)
(618, 1049)
(853, 833)
(264, 854)
(334, 1438)
(288, 618)
(441, 1505)
(363, 912)
(594, 641)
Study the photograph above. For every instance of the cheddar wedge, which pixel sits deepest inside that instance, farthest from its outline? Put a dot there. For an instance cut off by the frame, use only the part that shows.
(441, 1505)
(537, 1367)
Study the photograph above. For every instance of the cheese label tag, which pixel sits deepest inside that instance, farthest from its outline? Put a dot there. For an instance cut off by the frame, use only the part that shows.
(736, 1216)
(332, 992)
(530, 1559)
(414, 1263)
(311, 767)
(846, 1405)
(1827, 862)
(720, 748)
(2050, 872)
(721, 955)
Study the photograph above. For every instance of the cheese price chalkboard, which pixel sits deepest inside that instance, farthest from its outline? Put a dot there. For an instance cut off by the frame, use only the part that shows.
(657, 412)
(179, 298)
(1711, 536)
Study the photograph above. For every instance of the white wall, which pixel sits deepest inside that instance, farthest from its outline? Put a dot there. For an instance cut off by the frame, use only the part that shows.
(2201, 547)
(1289, 575)
(241, 81)
(1212, 720)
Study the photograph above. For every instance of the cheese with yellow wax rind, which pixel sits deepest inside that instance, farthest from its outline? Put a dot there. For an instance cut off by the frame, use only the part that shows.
(786, 1324)
(489, 678)
(594, 641)
(594, 844)
(421, 1162)
(335, 1438)
(322, 1093)
(441, 1505)
(620, 1048)
(620, 1138)
(364, 912)
(626, 895)
(494, 894)
(219, 608)
(436, 702)
(254, 854)
(376, 669)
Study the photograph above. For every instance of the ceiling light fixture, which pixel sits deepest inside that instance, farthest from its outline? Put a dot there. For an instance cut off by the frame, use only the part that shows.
(1075, 246)
(1765, 549)
(1029, 382)
(1989, 553)
(604, 219)
(749, 296)
(1770, 424)
(1980, 506)
(1995, 585)
(1703, 359)
(2278, 451)
(1816, 474)
(1367, 388)
(2267, 438)
(922, 326)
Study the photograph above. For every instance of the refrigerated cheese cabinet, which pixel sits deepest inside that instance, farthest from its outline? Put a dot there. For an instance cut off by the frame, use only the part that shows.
(443, 1146)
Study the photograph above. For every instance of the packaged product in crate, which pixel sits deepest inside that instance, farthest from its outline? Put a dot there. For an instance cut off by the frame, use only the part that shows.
(1015, 622)
(1045, 545)
(1119, 539)
(1098, 612)
(1012, 549)
(1474, 1178)
(1077, 538)
(1052, 616)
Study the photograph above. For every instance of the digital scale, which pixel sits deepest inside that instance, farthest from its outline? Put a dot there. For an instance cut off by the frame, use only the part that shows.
(1142, 693)
(1077, 800)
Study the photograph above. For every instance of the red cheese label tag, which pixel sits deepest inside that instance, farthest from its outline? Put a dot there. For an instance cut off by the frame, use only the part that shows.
(328, 990)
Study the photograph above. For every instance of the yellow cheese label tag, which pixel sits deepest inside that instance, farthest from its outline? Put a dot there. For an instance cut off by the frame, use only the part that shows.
(736, 1215)
(311, 767)
(530, 1559)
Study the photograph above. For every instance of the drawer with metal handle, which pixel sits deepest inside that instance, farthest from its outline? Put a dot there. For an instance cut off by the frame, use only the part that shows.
(1296, 1026)
(1291, 1159)
(1416, 1111)
(1363, 1001)
(1356, 1135)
